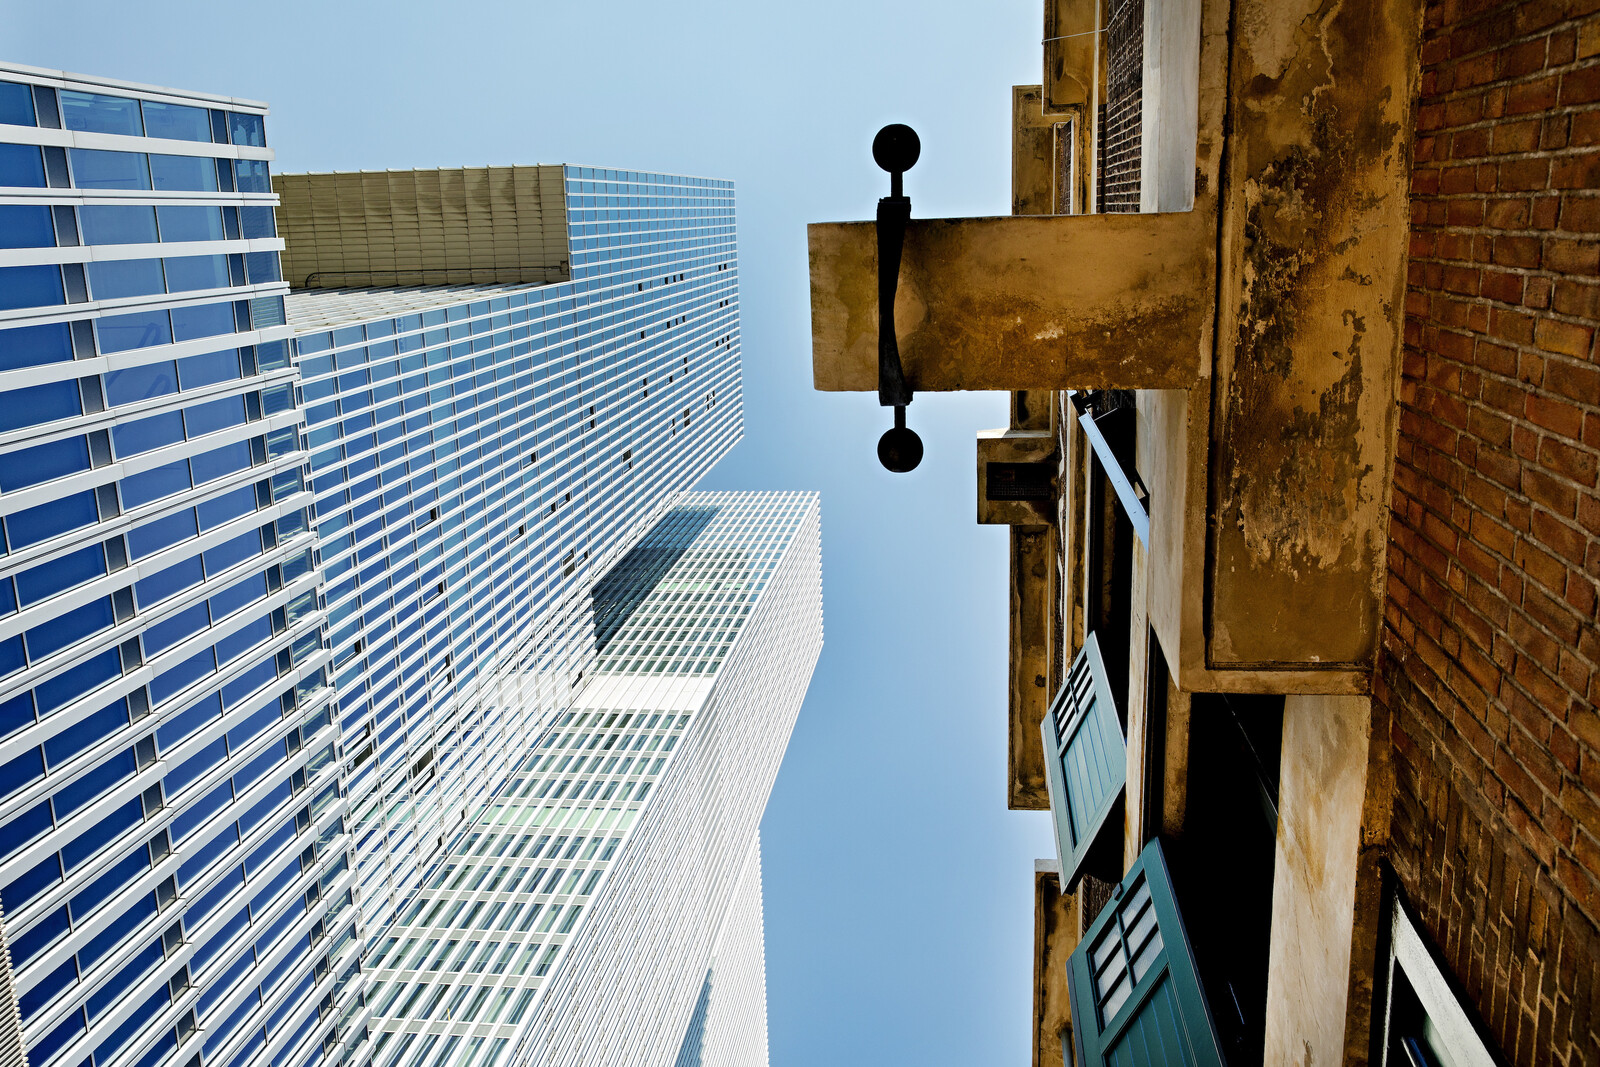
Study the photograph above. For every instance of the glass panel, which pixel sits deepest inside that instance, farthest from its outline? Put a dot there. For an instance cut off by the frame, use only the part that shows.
(118, 224)
(138, 329)
(118, 278)
(42, 463)
(16, 104)
(247, 130)
(96, 113)
(37, 404)
(21, 165)
(252, 175)
(140, 383)
(32, 346)
(190, 223)
(211, 368)
(258, 222)
(143, 435)
(94, 169)
(183, 172)
(35, 524)
(176, 121)
(31, 287)
(26, 226)
(187, 273)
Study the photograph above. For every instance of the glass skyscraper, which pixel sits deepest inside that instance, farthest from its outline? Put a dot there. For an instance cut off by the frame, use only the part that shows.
(313, 604)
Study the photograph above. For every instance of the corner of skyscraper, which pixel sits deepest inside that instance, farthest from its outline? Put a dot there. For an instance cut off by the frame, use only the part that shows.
(375, 687)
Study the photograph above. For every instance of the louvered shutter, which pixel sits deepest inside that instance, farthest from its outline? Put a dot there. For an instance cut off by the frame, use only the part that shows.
(1086, 761)
(1136, 995)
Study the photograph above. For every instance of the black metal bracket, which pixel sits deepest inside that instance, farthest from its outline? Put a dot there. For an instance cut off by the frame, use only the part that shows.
(895, 149)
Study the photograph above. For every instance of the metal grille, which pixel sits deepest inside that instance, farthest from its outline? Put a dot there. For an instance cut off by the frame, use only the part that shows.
(1120, 115)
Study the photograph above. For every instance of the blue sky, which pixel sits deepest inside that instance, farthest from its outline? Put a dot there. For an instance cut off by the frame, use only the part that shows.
(898, 886)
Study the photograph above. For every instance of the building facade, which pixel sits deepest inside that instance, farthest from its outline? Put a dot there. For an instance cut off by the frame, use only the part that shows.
(1296, 307)
(295, 584)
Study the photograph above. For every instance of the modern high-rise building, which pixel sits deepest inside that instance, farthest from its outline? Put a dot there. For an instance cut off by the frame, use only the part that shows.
(302, 591)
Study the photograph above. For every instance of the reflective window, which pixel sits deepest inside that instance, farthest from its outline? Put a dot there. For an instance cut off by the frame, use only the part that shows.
(180, 726)
(118, 278)
(26, 226)
(21, 165)
(152, 537)
(138, 329)
(118, 224)
(205, 320)
(176, 121)
(120, 928)
(211, 368)
(247, 130)
(143, 435)
(141, 383)
(220, 462)
(257, 222)
(32, 346)
(86, 732)
(69, 628)
(43, 463)
(90, 787)
(214, 415)
(187, 273)
(31, 287)
(16, 104)
(183, 675)
(173, 629)
(96, 113)
(74, 682)
(228, 506)
(60, 574)
(165, 583)
(44, 521)
(35, 404)
(183, 172)
(96, 169)
(141, 489)
(189, 223)
(252, 176)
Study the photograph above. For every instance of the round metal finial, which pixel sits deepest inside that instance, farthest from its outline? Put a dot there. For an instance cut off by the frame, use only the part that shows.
(900, 449)
(897, 147)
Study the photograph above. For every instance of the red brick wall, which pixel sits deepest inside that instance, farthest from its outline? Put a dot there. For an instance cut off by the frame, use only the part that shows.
(1490, 650)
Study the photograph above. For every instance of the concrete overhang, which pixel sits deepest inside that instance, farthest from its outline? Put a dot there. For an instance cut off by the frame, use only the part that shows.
(1031, 302)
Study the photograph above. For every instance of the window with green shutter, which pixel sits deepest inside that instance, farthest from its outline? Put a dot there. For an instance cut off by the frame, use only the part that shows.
(1136, 996)
(1086, 765)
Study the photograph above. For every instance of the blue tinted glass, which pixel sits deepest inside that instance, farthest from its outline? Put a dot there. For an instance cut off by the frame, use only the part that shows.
(96, 113)
(243, 640)
(207, 854)
(25, 827)
(30, 287)
(206, 320)
(220, 462)
(169, 631)
(100, 834)
(230, 552)
(73, 683)
(69, 628)
(43, 463)
(47, 988)
(247, 129)
(214, 415)
(124, 871)
(229, 505)
(8, 598)
(211, 368)
(117, 768)
(251, 727)
(16, 104)
(257, 222)
(229, 980)
(34, 404)
(64, 572)
(26, 226)
(154, 536)
(117, 224)
(46, 930)
(188, 223)
(262, 267)
(176, 122)
(94, 169)
(141, 489)
(21, 165)
(142, 435)
(116, 278)
(139, 329)
(140, 383)
(131, 971)
(40, 523)
(187, 273)
(183, 675)
(113, 935)
(248, 682)
(183, 724)
(213, 755)
(28, 767)
(32, 346)
(252, 176)
(165, 583)
(198, 811)
(56, 1040)
(183, 172)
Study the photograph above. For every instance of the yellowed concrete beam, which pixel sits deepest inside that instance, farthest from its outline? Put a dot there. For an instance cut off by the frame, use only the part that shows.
(1056, 302)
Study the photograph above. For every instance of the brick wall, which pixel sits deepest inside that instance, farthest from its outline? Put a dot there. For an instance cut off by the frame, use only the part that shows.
(1488, 670)
(1122, 115)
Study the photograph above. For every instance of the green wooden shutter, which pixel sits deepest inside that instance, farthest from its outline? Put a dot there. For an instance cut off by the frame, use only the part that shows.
(1086, 762)
(1136, 995)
